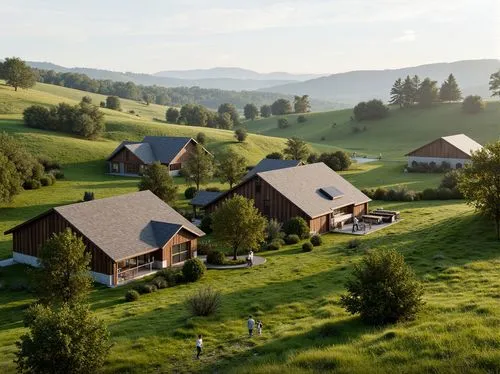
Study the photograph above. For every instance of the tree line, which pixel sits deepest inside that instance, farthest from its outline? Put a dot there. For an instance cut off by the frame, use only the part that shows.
(83, 119)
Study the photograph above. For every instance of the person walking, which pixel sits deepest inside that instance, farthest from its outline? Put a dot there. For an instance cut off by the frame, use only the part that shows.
(250, 324)
(250, 258)
(259, 327)
(199, 346)
(355, 224)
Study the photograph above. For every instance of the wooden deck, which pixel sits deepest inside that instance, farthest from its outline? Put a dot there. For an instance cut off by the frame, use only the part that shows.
(347, 229)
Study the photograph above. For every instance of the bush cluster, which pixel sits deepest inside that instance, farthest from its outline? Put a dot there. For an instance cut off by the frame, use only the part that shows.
(301, 119)
(316, 240)
(431, 167)
(216, 258)
(83, 119)
(193, 269)
(190, 192)
(370, 110)
(274, 245)
(205, 247)
(307, 247)
(172, 276)
(206, 224)
(297, 226)
(292, 239)
(132, 295)
(402, 194)
(283, 123)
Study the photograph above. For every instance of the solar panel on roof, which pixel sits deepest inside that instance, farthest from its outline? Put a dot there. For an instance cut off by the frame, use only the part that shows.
(331, 192)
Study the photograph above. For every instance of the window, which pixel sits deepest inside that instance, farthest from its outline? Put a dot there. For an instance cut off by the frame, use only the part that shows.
(267, 207)
(180, 252)
(115, 167)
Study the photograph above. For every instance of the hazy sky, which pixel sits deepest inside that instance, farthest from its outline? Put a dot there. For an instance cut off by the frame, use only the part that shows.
(314, 36)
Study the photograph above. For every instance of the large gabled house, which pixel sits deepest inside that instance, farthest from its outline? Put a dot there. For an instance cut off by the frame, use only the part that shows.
(456, 150)
(314, 192)
(130, 158)
(128, 236)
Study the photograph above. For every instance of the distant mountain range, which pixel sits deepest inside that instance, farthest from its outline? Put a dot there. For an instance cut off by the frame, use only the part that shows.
(351, 87)
(234, 79)
(340, 90)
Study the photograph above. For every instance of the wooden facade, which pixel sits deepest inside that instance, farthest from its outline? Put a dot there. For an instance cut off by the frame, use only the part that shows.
(272, 204)
(182, 156)
(439, 148)
(126, 162)
(29, 237)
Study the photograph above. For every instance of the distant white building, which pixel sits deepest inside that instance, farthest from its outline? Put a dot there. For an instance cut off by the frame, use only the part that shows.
(455, 150)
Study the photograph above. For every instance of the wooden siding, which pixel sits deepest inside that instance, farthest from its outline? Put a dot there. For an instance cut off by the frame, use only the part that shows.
(439, 148)
(29, 239)
(184, 153)
(320, 224)
(360, 209)
(122, 157)
(269, 201)
(182, 236)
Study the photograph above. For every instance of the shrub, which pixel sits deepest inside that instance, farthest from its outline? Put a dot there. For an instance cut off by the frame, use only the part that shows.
(274, 245)
(193, 270)
(297, 226)
(32, 184)
(473, 104)
(316, 240)
(172, 276)
(204, 247)
(201, 138)
(46, 180)
(301, 119)
(206, 224)
(429, 194)
(113, 102)
(240, 134)
(58, 174)
(307, 247)
(88, 196)
(292, 239)
(132, 295)
(216, 258)
(337, 161)
(160, 283)
(444, 193)
(190, 192)
(146, 288)
(383, 289)
(49, 164)
(380, 194)
(206, 301)
(275, 156)
(354, 243)
(283, 123)
(273, 230)
(371, 110)
(450, 179)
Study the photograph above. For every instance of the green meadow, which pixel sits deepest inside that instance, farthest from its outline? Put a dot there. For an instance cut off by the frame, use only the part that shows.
(452, 250)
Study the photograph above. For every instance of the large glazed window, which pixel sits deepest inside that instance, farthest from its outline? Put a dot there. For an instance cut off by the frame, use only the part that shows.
(180, 252)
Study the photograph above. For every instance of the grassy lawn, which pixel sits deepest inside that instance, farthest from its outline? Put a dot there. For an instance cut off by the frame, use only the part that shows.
(297, 296)
(394, 136)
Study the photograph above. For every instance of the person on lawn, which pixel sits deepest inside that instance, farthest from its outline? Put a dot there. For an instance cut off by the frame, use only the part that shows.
(250, 324)
(259, 327)
(250, 258)
(199, 346)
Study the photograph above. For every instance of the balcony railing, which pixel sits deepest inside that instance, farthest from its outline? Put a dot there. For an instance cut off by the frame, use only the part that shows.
(132, 273)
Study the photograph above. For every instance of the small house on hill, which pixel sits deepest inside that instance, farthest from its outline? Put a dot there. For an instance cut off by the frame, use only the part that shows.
(268, 164)
(128, 236)
(455, 150)
(130, 158)
(314, 192)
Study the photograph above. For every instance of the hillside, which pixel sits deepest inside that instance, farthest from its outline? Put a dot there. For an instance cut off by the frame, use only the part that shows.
(402, 131)
(352, 87)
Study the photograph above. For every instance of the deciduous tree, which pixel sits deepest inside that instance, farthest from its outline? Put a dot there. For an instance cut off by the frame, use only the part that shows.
(10, 182)
(241, 134)
(113, 102)
(265, 111)
(296, 149)
(280, 107)
(301, 104)
(231, 167)
(198, 168)
(473, 104)
(225, 121)
(157, 179)
(239, 224)
(172, 115)
(64, 272)
(251, 111)
(479, 182)
(233, 112)
(17, 74)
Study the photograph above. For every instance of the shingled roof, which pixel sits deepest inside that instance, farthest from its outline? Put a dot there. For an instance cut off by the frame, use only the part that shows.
(203, 198)
(268, 164)
(127, 225)
(303, 186)
(155, 148)
(460, 141)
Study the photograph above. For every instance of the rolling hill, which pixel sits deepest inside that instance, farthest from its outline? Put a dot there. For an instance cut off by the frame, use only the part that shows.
(394, 136)
(355, 86)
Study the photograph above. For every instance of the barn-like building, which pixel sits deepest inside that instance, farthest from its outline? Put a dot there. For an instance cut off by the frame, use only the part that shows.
(130, 158)
(314, 192)
(128, 236)
(456, 150)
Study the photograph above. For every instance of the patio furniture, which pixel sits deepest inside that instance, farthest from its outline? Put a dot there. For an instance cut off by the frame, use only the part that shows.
(372, 219)
(393, 212)
(386, 217)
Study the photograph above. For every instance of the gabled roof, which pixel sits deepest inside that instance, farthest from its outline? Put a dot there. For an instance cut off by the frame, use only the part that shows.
(268, 164)
(156, 148)
(203, 198)
(127, 225)
(303, 187)
(460, 141)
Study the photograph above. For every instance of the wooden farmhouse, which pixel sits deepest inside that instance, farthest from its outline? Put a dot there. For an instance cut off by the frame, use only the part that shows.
(128, 236)
(130, 158)
(315, 192)
(268, 164)
(455, 150)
